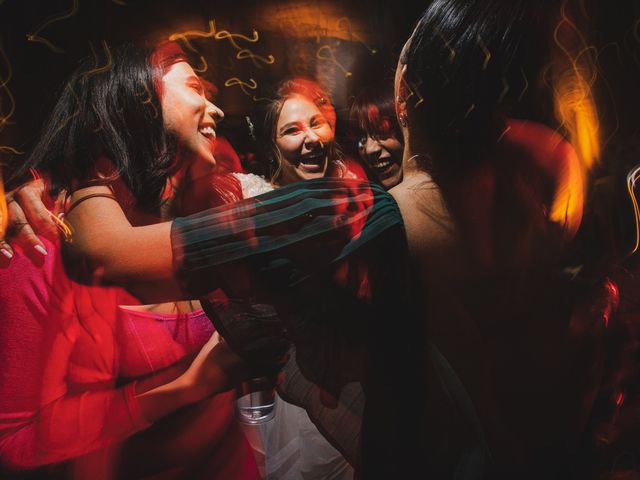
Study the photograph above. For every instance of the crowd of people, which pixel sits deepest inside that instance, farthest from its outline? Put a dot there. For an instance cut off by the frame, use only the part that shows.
(433, 307)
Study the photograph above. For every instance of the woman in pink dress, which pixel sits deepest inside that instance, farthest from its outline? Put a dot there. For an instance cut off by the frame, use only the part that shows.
(93, 383)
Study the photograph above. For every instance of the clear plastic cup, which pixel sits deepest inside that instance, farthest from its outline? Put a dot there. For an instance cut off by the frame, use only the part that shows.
(256, 401)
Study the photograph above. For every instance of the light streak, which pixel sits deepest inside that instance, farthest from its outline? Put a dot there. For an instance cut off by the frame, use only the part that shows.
(504, 132)
(74, 114)
(5, 148)
(147, 101)
(4, 212)
(222, 34)
(344, 24)
(246, 53)
(505, 90)
(526, 85)
(573, 97)
(4, 85)
(487, 53)
(105, 68)
(101, 123)
(452, 52)
(331, 57)
(4, 119)
(632, 178)
(241, 54)
(60, 224)
(414, 88)
(35, 37)
(252, 85)
(471, 108)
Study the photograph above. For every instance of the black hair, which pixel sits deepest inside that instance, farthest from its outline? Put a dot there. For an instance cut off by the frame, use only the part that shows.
(469, 65)
(115, 115)
(373, 105)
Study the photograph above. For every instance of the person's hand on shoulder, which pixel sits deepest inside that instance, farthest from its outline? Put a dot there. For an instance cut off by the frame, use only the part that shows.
(30, 212)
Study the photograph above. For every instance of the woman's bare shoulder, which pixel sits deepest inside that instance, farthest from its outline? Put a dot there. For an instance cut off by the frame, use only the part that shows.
(427, 220)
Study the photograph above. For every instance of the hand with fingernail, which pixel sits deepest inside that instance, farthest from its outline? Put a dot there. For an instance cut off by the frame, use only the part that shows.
(31, 211)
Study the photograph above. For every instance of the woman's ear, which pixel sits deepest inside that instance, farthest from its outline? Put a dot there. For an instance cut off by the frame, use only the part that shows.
(402, 93)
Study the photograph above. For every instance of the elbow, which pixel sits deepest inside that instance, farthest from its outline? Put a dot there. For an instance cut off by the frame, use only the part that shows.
(90, 267)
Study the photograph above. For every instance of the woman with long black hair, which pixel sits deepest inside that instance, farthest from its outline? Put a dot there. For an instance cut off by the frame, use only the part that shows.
(95, 384)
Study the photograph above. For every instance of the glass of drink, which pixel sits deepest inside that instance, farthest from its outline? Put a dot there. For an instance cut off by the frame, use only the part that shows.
(256, 401)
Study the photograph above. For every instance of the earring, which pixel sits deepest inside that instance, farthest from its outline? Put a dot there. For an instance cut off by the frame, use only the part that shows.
(402, 119)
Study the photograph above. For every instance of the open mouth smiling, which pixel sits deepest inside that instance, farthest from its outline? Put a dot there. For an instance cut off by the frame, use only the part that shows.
(312, 162)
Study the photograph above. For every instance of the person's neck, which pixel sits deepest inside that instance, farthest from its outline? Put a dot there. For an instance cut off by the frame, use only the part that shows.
(413, 167)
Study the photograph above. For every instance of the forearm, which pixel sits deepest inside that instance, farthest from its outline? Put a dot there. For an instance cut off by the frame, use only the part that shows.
(71, 426)
(169, 397)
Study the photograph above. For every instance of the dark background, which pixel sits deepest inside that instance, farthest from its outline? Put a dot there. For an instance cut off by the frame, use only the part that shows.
(295, 32)
(363, 38)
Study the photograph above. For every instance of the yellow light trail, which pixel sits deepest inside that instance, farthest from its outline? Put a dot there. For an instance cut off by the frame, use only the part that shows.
(344, 24)
(632, 177)
(331, 58)
(105, 68)
(35, 37)
(4, 213)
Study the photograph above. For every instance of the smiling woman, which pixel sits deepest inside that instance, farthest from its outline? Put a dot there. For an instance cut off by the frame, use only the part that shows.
(298, 135)
(303, 137)
(93, 381)
(380, 146)
(188, 112)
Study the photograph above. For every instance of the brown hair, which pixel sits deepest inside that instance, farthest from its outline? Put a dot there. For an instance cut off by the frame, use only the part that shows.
(270, 158)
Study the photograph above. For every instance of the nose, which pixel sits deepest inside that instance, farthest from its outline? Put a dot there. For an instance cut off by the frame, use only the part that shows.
(214, 112)
(372, 146)
(310, 138)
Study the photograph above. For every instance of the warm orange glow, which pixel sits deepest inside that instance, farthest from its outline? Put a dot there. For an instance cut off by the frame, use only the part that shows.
(573, 94)
(4, 214)
(576, 110)
(568, 202)
(559, 160)
(304, 19)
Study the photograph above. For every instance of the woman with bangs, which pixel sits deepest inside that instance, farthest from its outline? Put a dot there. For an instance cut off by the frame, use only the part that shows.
(373, 120)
